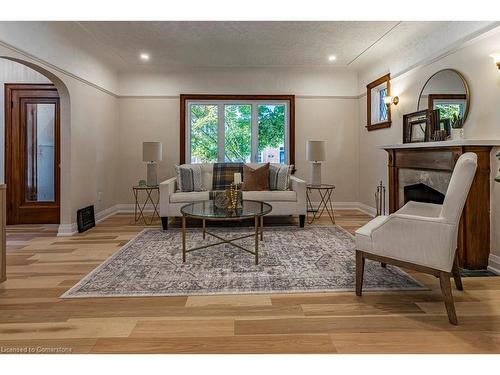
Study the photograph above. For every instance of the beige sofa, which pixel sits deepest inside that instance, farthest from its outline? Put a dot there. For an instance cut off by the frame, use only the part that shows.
(285, 203)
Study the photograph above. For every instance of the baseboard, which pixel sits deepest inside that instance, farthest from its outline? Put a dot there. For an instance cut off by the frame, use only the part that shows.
(72, 229)
(66, 230)
(494, 264)
(350, 206)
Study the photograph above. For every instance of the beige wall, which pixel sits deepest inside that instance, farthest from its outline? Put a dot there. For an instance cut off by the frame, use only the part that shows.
(157, 119)
(483, 121)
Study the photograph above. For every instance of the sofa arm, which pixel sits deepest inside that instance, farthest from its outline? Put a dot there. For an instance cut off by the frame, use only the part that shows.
(299, 186)
(167, 188)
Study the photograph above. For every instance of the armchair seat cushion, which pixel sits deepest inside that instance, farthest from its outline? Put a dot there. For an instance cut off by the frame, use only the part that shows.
(363, 234)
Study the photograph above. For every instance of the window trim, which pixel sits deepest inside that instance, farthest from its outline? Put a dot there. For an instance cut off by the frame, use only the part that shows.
(186, 99)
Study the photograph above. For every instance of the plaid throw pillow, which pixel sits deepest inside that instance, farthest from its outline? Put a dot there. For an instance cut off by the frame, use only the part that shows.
(279, 176)
(224, 174)
(189, 177)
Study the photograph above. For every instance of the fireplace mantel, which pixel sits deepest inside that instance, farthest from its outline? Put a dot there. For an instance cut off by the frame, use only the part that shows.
(462, 142)
(474, 229)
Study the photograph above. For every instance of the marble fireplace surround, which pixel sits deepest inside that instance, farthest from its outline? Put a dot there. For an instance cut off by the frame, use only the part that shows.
(438, 180)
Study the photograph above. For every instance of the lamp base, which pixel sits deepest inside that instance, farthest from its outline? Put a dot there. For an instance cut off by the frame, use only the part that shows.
(152, 179)
(315, 178)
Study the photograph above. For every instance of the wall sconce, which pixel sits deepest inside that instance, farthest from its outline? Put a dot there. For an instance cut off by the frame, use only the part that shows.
(388, 100)
(496, 58)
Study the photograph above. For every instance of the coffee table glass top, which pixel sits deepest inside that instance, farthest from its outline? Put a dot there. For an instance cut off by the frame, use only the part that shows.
(207, 210)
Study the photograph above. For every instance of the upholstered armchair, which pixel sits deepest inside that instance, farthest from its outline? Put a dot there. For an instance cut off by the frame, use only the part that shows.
(421, 236)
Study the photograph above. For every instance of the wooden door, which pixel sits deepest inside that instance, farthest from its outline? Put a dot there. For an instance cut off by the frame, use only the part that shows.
(32, 153)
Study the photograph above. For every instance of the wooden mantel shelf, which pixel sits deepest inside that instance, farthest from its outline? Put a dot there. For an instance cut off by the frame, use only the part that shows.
(462, 142)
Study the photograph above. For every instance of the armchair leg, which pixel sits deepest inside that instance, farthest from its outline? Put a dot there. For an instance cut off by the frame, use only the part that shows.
(360, 268)
(302, 220)
(444, 280)
(456, 275)
(164, 222)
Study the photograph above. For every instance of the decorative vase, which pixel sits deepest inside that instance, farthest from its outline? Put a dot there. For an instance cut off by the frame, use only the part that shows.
(457, 134)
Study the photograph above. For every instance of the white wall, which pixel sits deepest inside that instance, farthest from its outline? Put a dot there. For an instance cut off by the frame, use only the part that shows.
(326, 108)
(474, 63)
(89, 129)
(64, 46)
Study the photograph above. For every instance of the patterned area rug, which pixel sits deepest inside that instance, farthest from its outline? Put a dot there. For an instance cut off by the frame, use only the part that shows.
(291, 260)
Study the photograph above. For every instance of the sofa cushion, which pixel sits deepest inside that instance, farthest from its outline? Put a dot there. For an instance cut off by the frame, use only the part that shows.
(271, 196)
(189, 177)
(256, 179)
(223, 174)
(207, 172)
(279, 176)
(188, 197)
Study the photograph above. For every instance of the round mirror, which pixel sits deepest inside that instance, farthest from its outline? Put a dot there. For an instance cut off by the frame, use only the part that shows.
(446, 91)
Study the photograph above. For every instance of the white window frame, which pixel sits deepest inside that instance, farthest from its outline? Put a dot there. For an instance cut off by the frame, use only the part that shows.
(221, 125)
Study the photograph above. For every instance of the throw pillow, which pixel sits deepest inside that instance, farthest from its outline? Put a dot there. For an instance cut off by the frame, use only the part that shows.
(189, 178)
(279, 176)
(255, 179)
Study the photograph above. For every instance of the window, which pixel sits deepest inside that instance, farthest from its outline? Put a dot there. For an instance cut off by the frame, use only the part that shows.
(223, 128)
(382, 114)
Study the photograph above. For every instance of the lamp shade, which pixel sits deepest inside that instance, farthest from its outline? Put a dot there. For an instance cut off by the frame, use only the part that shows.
(315, 150)
(151, 151)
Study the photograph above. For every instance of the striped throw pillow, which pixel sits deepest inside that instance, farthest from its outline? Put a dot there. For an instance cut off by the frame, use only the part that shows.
(189, 178)
(279, 176)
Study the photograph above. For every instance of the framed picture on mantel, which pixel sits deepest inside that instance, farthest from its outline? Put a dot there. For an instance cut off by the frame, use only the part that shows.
(417, 126)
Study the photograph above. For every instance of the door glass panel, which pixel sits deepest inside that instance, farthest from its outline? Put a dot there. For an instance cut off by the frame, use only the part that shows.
(40, 152)
(237, 133)
(271, 123)
(203, 133)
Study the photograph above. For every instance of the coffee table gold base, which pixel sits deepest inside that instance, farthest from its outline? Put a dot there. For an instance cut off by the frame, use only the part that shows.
(259, 232)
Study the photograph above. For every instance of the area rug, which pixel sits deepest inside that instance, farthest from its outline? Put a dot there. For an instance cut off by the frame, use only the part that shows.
(312, 259)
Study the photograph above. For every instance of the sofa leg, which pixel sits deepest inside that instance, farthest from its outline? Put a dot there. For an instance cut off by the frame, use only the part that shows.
(360, 269)
(164, 222)
(302, 220)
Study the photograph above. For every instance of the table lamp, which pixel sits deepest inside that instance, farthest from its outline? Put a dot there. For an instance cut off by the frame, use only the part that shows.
(315, 151)
(151, 153)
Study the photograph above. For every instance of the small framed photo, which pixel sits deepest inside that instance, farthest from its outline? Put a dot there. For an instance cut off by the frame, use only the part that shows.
(417, 127)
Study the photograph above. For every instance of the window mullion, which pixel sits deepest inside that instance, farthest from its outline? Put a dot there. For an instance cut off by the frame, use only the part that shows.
(255, 133)
(220, 132)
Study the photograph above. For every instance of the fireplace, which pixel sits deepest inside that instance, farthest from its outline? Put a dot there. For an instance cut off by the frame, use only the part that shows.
(422, 172)
(422, 185)
(422, 193)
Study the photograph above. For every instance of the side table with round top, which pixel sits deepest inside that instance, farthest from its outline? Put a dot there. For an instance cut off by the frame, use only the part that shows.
(325, 192)
(207, 211)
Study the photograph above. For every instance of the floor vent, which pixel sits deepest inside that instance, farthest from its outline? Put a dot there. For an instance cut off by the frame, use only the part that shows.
(85, 218)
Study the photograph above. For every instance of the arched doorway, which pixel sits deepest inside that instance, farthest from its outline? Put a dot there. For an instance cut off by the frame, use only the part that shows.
(32, 191)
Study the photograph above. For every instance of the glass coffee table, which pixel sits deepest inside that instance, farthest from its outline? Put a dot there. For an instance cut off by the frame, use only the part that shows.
(207, 211)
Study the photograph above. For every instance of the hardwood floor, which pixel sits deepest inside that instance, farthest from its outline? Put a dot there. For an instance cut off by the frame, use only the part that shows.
(41, 267)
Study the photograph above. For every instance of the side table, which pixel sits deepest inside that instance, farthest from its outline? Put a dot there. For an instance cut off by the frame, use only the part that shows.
(325, 192)
(141, 206)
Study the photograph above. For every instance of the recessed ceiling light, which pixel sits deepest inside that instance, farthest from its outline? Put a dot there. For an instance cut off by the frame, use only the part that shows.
(144, 56)
(332, 58)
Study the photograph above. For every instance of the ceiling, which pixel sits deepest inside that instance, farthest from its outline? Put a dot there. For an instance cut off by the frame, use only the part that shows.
(250, 44)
